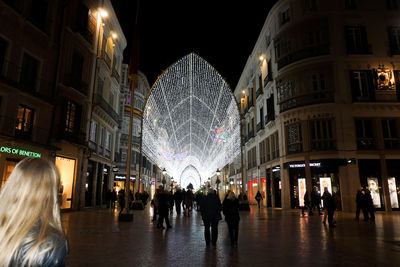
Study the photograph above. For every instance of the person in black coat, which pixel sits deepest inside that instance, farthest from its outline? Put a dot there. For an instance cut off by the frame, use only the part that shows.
(232, 218)
(178, 197)
(306, 204)
(163, 207)
(369, 205)
(316, 200)
(211, 214)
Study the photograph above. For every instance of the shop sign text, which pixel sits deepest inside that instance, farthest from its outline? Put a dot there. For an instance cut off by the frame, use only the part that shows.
(20, 152)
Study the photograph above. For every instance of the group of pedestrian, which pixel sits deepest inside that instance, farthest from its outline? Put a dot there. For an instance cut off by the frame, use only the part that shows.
(161, 206)
(313, 202)
(365, 204)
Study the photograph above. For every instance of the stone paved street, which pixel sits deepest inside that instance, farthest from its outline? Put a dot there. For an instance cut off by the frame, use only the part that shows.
(266, 238)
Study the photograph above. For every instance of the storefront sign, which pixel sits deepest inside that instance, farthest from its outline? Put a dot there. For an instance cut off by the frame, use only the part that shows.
(20, 152)
(302, 165)
(122, 177)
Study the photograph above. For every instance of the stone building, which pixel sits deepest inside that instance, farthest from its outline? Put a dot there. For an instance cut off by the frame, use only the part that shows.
(320, 102)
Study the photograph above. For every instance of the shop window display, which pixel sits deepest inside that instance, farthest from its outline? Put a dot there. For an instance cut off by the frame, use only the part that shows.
(394, 192)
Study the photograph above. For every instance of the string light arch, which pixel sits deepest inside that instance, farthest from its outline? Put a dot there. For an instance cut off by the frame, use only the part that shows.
(191, 118)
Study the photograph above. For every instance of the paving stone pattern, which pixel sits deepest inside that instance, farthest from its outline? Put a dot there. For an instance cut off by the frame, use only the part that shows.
(266, 238)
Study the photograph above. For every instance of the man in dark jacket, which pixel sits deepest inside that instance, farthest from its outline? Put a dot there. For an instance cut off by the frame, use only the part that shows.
(163, 207)
(211, 214)
(178, 200)
(316, 200)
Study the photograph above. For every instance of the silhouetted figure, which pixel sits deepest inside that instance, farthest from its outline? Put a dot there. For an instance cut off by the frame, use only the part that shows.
(188, 202)
(113, 199)
(154, 203)
(178, 197)
(258, 198)
(163, 207)
(232, 218)
(369, 205)
(329, 203)
(315, 200)
(306, 204)
(211, 214)
(171, 202)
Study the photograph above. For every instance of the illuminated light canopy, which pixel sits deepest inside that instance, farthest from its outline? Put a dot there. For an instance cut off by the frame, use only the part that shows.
(192, 119)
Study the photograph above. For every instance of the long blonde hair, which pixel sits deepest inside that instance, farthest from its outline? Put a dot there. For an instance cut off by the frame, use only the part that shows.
(29, 212)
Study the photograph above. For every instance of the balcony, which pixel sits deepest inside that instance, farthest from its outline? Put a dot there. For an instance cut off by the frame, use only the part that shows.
(107, 153)
(268, 78)
(106, 59)
(115, 74)
(135, 139)
(302, 54)
(249, 136)
(99, 101)
(259, 92)
(361, 50)
(260, 126)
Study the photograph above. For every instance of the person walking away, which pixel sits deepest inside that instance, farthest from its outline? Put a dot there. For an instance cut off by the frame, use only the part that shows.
(155, 204)
(210, 208)
(316, 200)
(306, 204)
(232, 217)
(183, 199)
(178, 201)
(258, 198)
(31, 233)
(325, 198)
(188, 202)
(331, 207)
(370, 205)
(359, 199)
(364, 204)
(163, 207)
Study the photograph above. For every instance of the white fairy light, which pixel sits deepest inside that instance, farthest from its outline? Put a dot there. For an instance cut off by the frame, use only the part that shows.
(198, 121)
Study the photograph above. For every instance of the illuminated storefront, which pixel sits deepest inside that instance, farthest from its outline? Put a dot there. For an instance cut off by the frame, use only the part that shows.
(324, 173)
(12, 153)
(120, 181)
(370, 177)
(67, 169)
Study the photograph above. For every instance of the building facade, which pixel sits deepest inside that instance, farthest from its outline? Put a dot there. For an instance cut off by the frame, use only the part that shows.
(28, 73)
(319, 98)
(149, 169)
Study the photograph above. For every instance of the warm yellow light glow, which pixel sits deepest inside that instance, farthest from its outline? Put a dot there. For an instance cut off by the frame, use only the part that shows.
(261, 58)
(103, 13)
(243, 91)
(114, 35)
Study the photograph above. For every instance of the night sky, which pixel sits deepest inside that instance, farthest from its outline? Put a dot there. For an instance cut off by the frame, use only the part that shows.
(224, 34)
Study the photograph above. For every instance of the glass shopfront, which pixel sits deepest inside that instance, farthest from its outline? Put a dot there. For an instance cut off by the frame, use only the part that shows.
(370, 177)
(393, 170)
(269, 188)
(324, 173)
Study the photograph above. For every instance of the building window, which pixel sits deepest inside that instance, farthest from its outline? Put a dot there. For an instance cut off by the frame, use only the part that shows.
(75, 79)
(267, 149)
(392, 4)
(394, 40)
(356, 40)
(29, 72)
(72, 117)
(364, 134)
(322, 135)
(93, 131)
(24, 125)
(294, 138)
(111, 100)
(262, 151)
(285, 16)
(107, 144)
(389, 131)
(3, 53)
(38, 13)
(274, 146)
(350, 4)
(100, 86)
(362, 85)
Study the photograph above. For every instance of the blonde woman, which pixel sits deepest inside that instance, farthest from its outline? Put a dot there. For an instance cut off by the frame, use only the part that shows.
(30, 225)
